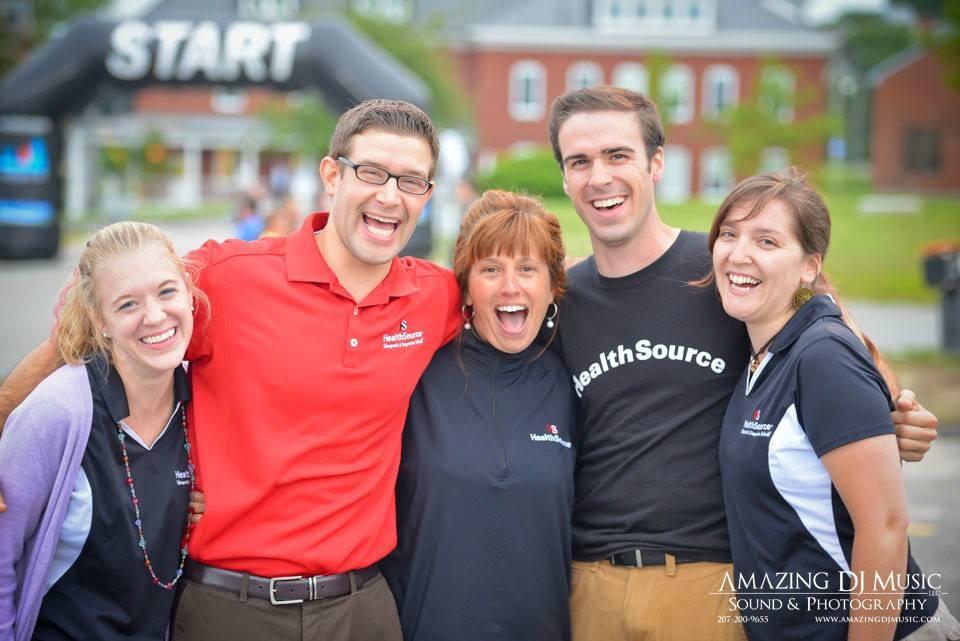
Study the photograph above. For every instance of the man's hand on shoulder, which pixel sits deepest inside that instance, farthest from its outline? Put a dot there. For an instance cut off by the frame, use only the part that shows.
(916, 427)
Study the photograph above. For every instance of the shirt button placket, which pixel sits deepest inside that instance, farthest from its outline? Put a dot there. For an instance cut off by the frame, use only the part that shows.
(351, 357)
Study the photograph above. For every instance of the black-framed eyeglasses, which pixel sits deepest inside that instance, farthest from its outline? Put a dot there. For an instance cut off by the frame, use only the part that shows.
(379, 176)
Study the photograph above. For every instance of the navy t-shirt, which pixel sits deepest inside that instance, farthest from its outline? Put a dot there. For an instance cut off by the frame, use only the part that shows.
(790, 532)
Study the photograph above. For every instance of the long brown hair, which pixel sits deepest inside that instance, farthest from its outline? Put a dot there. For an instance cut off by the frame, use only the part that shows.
(811, 223)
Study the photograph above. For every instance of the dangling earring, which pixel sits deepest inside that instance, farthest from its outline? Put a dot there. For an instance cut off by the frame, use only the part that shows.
(801, 296)
(552, 315)
(466, 312)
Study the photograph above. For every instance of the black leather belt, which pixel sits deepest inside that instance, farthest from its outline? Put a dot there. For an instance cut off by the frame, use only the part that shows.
(639, 558)
(281, 590)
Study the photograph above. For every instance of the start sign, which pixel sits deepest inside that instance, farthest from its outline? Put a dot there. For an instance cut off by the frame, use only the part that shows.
(179, 50)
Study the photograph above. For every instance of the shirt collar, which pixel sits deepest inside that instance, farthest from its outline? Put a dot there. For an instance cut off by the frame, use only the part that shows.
(821, 306)
(106, 379)
(305, 263)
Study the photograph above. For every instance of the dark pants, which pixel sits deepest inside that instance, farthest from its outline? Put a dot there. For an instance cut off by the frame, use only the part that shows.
(208, 614)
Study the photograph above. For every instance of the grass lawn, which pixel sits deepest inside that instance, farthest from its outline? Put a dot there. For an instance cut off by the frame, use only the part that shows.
(876, 257)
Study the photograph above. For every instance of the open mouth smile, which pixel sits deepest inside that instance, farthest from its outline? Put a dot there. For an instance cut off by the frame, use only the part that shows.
(608, 203)
(512, 318)
(156, 339)
(379, 226)
(742, 282)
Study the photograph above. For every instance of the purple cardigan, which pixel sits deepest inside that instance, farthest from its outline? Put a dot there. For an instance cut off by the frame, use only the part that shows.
(40, 453)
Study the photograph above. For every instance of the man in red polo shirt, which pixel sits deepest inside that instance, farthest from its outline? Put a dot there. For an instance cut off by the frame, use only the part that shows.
(300, 389)
(302, 367)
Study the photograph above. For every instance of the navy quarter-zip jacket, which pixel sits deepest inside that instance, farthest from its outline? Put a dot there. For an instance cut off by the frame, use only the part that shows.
(484, 498)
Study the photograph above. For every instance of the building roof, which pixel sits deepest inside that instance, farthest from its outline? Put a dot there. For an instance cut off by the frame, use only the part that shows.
(894, 65)
(733, 26)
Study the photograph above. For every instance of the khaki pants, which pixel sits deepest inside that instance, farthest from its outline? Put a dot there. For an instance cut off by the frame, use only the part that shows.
(671, 602)
(208, 614)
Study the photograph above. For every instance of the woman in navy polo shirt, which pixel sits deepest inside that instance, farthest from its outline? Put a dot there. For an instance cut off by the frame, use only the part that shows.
(485, 487)
(95, 464)
(811, 472)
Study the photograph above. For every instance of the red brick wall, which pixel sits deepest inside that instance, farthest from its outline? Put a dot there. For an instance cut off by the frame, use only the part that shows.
(486, 76)
(193, 100)
(915, 98)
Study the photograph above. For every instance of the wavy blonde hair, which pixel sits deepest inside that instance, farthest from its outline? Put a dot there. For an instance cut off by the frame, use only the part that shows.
(76, 333)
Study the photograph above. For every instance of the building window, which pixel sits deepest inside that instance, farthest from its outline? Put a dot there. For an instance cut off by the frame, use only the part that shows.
(716, 174)
(921, 151)
(676, 94)
(774, 158)
(583, 75)
(674, 187)
(678, 16)
(528, 90)
(632, 76)
(397, 11)
(721, 90)
(228, 100)
(268, 10)
(777, 89)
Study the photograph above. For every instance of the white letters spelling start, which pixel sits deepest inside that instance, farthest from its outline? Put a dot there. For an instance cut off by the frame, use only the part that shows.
(250, 50)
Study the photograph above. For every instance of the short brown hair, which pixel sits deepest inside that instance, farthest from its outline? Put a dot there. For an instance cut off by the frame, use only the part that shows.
(506, 222)
(393, 116)
(607, 99)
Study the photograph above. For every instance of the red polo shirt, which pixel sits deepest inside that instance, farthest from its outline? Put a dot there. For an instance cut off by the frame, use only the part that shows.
(299, 399)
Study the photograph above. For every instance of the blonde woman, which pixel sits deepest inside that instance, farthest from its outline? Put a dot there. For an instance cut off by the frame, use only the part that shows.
(95, 464)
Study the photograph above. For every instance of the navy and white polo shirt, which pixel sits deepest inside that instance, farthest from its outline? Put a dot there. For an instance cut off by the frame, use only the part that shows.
(98, 586)
(790, 533)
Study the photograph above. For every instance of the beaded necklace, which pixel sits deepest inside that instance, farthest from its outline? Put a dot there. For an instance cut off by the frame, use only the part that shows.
(142, 542)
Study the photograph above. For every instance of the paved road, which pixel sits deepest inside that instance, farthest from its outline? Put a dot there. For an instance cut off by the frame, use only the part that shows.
(29, 290)
(933, 488)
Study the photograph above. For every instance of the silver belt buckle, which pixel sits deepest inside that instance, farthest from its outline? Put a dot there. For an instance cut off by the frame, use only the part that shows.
(273, 590)
(638, 555)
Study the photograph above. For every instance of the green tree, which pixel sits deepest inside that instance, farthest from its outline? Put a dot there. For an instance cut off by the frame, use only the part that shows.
(34, 25)
(869, 38)
(303, 125)
(766, 119)
(421, 50)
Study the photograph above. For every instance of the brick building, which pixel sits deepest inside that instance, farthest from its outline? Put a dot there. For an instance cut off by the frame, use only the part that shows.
(916, 133)
(710, 54)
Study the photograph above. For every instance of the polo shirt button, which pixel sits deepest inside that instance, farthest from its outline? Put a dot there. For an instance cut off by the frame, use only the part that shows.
(354, 342)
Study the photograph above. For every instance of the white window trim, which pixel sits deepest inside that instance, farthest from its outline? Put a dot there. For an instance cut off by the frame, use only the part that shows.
(676, 158)
(634, 70)
(523, 111)
(583, 68)
(683, 115)
(707, 191)
(787, 113)
(713, 75)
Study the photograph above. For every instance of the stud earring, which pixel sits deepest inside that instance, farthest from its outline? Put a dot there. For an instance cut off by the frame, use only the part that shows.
(552, 315)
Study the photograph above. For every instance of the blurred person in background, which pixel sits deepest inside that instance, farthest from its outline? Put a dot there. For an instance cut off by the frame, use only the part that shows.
(95, 464)
(247, 223)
